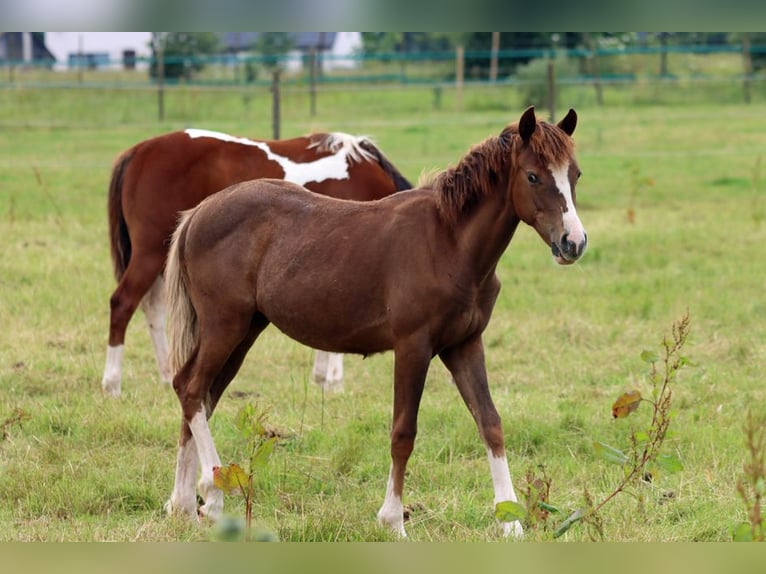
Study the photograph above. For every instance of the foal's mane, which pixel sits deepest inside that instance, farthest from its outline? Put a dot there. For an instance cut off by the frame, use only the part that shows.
(480, 170)
(358, 148)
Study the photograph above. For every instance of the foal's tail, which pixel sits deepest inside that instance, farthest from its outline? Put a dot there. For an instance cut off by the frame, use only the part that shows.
(182, 318)
(119, 239)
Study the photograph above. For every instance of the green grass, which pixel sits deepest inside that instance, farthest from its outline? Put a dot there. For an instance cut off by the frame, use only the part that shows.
(562, 344)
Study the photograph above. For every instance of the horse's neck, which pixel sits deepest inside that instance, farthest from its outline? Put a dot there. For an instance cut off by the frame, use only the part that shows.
(484, 234)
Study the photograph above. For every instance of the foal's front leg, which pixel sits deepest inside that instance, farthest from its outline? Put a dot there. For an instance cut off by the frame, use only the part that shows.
(466, 363)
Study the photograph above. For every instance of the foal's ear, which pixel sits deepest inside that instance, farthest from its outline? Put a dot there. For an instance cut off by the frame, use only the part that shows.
(569, 123)
(527, 123)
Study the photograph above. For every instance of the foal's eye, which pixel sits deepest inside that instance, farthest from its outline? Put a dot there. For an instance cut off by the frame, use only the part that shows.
(531, 177)
(579, 173)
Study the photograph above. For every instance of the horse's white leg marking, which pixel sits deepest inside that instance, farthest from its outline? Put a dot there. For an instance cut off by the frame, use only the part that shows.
(328, 371)
(153, 305)
(391, 514)
(319, 373)
(501, 481)
(184, 499)
(111, 382)
(572, 224)
(208, 458)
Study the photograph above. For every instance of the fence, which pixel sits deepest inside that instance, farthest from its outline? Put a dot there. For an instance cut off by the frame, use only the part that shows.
(633, 75)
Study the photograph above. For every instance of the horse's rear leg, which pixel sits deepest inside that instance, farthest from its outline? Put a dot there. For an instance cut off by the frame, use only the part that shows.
(154, 308)
(184, 499)
(466, 364)
(328, 371)
(134, 284)
(410, 369)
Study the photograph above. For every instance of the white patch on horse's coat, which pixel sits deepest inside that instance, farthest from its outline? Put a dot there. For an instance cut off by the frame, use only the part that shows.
(391, 514)
(333, 166)
(208, 459)
(501, 481)
(572, 224)
(111, 382)
(153, 305)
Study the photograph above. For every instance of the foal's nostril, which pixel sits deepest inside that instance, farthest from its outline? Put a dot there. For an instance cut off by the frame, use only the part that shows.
(571, 249)
(567, 246)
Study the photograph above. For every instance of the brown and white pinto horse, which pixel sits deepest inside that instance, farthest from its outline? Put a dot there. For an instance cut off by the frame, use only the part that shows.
(156, 179)
(413, 272)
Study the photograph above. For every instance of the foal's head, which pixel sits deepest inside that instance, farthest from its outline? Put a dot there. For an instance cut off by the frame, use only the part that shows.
(543, 180)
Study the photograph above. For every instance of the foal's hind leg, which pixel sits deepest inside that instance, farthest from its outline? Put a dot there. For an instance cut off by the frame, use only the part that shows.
(184, 499)
(199, 386)
(328, 371)
(410, 369)
(466, 364)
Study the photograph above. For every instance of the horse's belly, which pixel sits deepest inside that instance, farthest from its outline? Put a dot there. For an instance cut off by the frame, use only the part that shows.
(341, 328)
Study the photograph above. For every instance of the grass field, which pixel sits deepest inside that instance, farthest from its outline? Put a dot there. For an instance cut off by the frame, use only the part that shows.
(673, 201)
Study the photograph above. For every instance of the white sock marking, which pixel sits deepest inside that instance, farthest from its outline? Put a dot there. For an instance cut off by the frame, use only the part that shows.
(208, 458)
(328, 370)
(501, 481)
(111, 380)
(391, 514)
(183, 499)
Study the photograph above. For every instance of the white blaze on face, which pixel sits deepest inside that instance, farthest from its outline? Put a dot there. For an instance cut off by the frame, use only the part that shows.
(571, 222)
(333, 166)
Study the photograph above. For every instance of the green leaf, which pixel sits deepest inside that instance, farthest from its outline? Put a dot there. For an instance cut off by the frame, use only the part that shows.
(669, 463)
(248, 423)
(571, 520)
(508, 511)
(743, 533)
(610, 454)
(548, 507)
(231, 479)
(649, 356)
(262, 454)
(641, 437)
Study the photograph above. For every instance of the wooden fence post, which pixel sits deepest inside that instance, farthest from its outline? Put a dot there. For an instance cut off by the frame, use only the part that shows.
(494, 57)
(313, 81)
(551, 92)
(747, 63)
(275, 103)
(593, 56)
(459, 75)
(158, 39)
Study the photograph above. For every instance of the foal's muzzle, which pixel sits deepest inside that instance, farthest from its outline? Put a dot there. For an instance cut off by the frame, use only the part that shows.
(567, 251)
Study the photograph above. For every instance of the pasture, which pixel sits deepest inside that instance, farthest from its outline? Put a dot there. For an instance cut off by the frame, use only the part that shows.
(673, 201)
